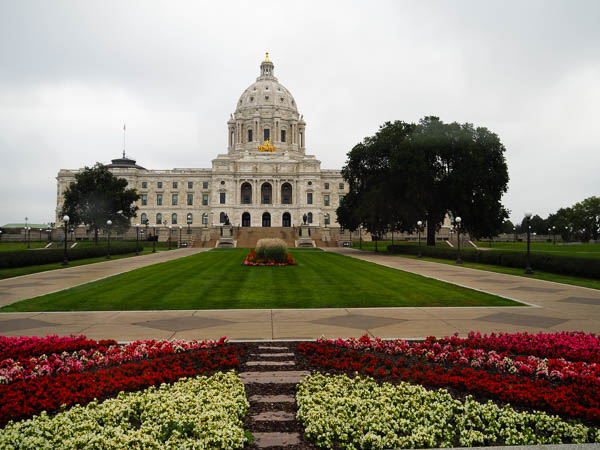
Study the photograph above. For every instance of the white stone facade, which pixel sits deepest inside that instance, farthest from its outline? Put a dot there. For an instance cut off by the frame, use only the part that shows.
(238, 182)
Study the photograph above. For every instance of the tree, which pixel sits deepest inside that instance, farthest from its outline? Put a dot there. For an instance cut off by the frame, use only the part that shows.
(408, 172)
(97, 196)
(507, 227)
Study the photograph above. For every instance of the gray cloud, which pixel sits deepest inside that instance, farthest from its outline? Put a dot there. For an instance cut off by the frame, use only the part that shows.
(73, 72)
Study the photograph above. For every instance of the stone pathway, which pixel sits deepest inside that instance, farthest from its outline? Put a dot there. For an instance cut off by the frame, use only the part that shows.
(265, 408)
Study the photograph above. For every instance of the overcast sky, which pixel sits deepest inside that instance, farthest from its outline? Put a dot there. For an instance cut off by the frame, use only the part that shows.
(72, 72)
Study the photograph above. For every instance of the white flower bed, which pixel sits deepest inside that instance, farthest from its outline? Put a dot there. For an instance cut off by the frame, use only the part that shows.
(359, 413)
(191, 413)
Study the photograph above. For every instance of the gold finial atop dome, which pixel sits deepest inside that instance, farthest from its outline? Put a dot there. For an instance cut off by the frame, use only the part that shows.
(267, 147)
(267, 57)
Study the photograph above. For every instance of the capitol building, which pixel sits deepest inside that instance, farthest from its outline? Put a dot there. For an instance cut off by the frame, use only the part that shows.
(265, 180)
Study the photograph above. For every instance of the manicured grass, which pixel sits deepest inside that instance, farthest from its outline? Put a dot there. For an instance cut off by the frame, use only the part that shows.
(581, 250)
(382, 245)
(217, 280)
(538, 275)
(12, 246)
(27, 270)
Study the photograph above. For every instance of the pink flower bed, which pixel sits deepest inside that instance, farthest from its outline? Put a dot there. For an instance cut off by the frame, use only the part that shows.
(27, 368)
(22, 346)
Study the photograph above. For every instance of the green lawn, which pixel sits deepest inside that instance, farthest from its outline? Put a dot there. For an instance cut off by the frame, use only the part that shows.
(18, 271)
(11, 246)
(217, 280)
(582, 250)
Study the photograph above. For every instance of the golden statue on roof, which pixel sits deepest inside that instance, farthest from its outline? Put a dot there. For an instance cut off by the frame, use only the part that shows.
(267, 57)
(267, 147)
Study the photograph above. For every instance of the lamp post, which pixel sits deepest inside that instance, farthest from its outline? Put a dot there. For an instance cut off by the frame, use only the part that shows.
(0, 235)
(154, 240)
(170, 228)
(549, 231)
(49, 231)
(180, 228)
(458, 220)
(26, 219)
(360, 237)
(515, 233)
(419, 223)
(528, 269)
(66, 221)
(27, 236)
(137, 239)
(108, 223)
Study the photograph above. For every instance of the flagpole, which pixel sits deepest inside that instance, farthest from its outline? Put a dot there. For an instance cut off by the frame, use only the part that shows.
(123, 140)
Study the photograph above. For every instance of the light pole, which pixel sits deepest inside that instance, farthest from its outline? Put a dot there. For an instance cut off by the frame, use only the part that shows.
(515, 234)
(549, 231)
(419, 223)
(108, 223)
(154, 240)
(528, 269)
(360, 236)
(180, 228)
(458, 220)
(49, 231)
(66, 221)
(0, 235)
(26, 219)
(170, 228)
(137, 239)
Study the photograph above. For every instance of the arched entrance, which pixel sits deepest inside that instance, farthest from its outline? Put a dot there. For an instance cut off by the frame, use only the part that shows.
(266, 220)
(286, 193)
(286, 220)
(266, 194)
(246, 219)
(246, 194)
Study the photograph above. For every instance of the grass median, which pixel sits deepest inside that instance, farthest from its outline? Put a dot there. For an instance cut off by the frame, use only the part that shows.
(217, 280)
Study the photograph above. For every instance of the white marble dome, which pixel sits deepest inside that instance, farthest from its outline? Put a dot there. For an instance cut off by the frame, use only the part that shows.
(266, 91)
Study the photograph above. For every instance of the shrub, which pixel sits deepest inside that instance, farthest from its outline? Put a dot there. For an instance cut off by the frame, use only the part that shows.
(559, 264)
(22, 258)
(272, 249)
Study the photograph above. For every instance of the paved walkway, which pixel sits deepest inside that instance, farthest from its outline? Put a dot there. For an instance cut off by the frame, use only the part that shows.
(553, 307)
(27, 286)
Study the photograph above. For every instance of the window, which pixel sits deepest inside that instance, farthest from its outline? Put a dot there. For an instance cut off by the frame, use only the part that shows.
(309, 198)
(190, 199)
(205, 219)
(144, 199)
(310, 183)
(326, 185)
(326, 219)
(267, 134)
(341, 186)
(174, 184)
(144, 218)
(189, 218)
(326, 199)
(222, 182)
(144, 185)
(174, 199)
(205, 185)
(174, 219)
(204, 199)
(341, 199)
(159, 185)
(222, 198)
(309, 217)
(282, 135)
(250, 136)
(222, 217)
(158, 199)
(159, 219)
(190, 185)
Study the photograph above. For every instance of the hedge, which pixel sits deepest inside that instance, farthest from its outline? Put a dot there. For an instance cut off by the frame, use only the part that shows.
(22, 258)
(559, 264)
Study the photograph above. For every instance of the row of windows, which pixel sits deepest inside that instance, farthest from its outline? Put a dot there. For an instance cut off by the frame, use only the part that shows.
(190, 185)
(326, 199)
(223, 198)
(174, 199)
(340, 186)
(190, 219)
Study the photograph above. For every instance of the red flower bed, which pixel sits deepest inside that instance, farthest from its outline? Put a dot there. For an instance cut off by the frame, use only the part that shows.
(252, 260)
(22, 347)
(572, 400)
(25, 398)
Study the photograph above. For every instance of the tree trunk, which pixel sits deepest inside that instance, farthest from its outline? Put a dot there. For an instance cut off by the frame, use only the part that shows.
(431, 234)
(96, 235)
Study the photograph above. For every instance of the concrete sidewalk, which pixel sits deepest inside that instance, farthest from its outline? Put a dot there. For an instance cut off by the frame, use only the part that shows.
(552, 307)
(27, 286)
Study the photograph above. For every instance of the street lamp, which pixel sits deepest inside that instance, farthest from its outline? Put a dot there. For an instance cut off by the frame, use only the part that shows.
(528, 269)
(108, 223)
(26, 219)
(170, 228)
(66, 221)
(137, 239)
(515, 233)
(419, 223)
(549, 231)
(180, 228)
(458, 220)
(0, 235)
(154, 240)
(49, 231)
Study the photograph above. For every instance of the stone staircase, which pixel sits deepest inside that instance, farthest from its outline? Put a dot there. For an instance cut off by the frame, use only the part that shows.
(271, 399)
(247, 237)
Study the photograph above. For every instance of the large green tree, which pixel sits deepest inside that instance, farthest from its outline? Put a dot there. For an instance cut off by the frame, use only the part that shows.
(97, 196)
(407, 172)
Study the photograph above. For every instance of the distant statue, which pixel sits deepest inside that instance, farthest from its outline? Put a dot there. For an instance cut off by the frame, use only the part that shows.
(304, 219)
(227, 220)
